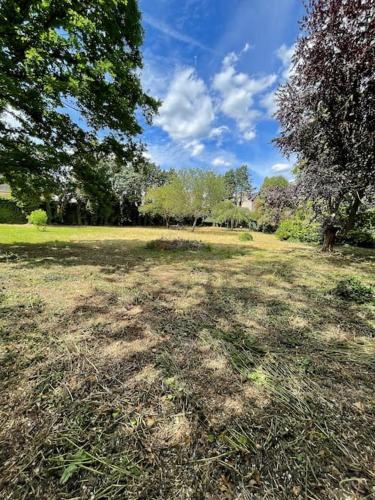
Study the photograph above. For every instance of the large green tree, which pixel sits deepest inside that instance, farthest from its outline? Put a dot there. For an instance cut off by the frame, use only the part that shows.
(203, 191)
(168, 201)
(69, 86)
(190, 194)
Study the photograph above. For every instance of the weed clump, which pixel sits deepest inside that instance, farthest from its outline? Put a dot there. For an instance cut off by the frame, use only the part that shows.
(352, 289)
(165, 244)
(246, 237)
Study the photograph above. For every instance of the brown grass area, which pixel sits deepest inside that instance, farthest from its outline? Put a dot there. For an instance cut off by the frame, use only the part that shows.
(227, 372)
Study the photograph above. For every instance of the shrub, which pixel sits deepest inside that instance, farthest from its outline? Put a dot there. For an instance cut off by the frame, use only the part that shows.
(352, 289)
(38, 218)
(360, 237)
(298, 229)
(10, 213)
(164, 244)
(246, 237)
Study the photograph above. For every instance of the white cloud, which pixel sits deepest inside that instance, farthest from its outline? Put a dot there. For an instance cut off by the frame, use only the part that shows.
(187, 110)
(285, 54)
(219, 161)
(195, 147)
(269, 103)
(218, 131)
(281, 167)
(249, 135)
(247, 47)
(237, 91)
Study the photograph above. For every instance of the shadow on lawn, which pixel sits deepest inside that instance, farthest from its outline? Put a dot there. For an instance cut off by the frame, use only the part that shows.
(113, 255)
(229, 396)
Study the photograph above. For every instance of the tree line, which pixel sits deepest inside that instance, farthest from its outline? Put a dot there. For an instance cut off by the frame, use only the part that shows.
(60, 59)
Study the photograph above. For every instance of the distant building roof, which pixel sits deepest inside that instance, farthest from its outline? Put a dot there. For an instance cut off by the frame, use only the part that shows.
(4, 188)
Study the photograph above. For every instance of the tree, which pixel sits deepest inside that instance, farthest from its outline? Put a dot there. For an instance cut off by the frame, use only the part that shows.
(274, 202)
(169, 201)
(227, 212)
(60, 61)
(190, 193)
(203, 190)
(276, 181)
(130, 182)
(238, 185)
(327, 111)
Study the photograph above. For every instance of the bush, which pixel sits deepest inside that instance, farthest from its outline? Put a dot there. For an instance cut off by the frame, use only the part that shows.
(246, 237)
(298, 229)
(10, 213)
(38, 218)
(352, 289)
(360, 238)
(164, 244)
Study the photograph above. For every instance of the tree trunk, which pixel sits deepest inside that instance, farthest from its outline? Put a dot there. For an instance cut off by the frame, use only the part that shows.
(195, 223)
(79, 219)
(329, 238)
(49, 213)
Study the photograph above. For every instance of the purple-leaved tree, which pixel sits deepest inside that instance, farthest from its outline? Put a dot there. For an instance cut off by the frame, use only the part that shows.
(327, 111)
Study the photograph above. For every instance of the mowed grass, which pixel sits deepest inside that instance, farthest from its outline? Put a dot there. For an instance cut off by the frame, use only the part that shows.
(227, 372)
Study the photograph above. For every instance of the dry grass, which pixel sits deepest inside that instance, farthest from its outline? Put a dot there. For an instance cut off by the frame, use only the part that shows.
(127, 372)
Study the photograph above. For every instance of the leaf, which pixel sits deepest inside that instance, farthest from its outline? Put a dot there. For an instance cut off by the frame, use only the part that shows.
(68, 472)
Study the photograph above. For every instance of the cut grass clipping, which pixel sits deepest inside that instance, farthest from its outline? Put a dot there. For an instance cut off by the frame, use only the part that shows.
(165, 244)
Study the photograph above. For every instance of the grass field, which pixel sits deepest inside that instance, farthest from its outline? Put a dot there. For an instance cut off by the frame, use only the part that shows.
(231, 372)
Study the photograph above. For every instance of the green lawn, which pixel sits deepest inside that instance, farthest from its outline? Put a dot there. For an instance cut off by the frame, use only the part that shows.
(228, 372)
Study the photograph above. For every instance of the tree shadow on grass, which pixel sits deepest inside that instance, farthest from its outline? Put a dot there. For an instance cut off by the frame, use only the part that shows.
(228, 395)
(113, 255)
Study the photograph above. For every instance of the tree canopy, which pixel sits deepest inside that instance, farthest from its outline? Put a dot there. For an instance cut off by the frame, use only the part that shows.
(327, 111)
(238, 184)
(60, 61)
(191, 193)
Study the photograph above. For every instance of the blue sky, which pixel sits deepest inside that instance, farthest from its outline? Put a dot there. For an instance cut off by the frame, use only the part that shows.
(215, 65)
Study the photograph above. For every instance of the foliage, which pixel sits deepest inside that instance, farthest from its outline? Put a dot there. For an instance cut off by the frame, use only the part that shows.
(10, 213)
(297, 228)
(168, 201)
(238, 184)
(246, 237)
(275, 201)
(38, 218)
(59, 56)
(227, 212)
(352, 289)
(327, 111)
(360, 237)
(275, 181)
(363, 233)
(189, 194)
(131, 181)
(203, 191)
